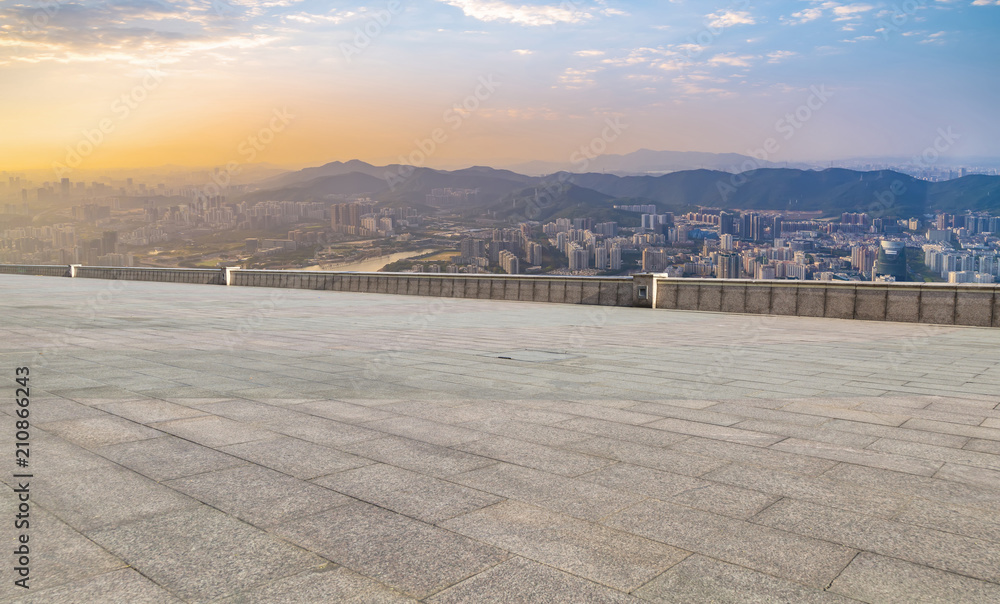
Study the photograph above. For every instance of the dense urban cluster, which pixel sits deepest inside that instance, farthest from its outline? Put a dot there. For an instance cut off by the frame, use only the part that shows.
(127, 223)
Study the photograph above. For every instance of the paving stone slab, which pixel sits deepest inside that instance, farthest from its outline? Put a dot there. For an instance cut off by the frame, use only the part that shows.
(874, 578)
(203, 554)
(409, 493)
(616, 559)
(411, 556)
(126, 585)
(257, 495)
(798, 558)
(701, 579)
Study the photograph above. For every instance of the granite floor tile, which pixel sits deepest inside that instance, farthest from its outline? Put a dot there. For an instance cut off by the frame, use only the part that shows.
(298, 458)
(945, 551)
(406, 554)
(798, 558)
(419, 456)
(409, 493)
(147, 457)
(575, 497)
(58, 553)
(202, 554)
(428, 431)
(257, 495)
(874, 578)
(105, 497)
(92, 432)
(125, 584)
(701, 579)
(328, 583)
(637, 454)
(616, 559)
(522, 580)
(531, 455)
(213, 431)
(149, 411)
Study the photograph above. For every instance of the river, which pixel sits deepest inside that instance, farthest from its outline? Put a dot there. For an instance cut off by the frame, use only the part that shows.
(372, 264)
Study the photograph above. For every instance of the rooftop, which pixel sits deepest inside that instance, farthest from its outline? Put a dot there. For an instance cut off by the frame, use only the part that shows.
(240, 444)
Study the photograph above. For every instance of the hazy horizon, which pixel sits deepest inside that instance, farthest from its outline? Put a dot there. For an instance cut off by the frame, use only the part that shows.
(132, 84)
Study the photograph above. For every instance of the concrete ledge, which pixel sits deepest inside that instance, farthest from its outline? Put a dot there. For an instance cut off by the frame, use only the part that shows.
(870, 301)
(784, 299)
(935, 303)
(974, 306)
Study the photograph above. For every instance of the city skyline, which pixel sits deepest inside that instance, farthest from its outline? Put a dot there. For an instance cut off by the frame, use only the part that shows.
(116, 85)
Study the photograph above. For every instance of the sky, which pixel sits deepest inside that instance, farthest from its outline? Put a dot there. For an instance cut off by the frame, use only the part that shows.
(142, 83)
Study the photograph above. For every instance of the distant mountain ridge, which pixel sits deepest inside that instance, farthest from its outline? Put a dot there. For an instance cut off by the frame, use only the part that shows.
(831, 191)
(655, 163)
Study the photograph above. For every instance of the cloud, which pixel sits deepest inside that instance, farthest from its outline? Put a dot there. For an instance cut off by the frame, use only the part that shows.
(851, 11)
(525, 14)
(780, 55)
(804, 16)
(732, 60)
(589, 53)
(729, 18)
(986, 3)
(577, 78)
(129, 31)
(935, 38)
(523, 52)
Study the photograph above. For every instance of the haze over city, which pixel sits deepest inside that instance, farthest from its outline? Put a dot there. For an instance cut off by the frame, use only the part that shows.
(129, 84)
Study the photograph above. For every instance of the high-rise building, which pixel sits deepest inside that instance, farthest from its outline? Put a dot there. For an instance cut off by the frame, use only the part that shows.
(891, 261)
(615, 260)
(728, 266)
(727, 223)
(601, 258)
(654, 260)
(726, 242)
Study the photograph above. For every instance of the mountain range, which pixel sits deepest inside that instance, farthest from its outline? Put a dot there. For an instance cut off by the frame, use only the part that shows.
(830, 191)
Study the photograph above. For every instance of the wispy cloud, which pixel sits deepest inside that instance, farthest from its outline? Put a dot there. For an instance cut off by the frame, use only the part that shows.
(729, 18)
(524, 14)
(780, 55)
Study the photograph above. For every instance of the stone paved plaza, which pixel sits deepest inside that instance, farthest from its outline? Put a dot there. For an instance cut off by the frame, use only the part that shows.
(198, 443)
